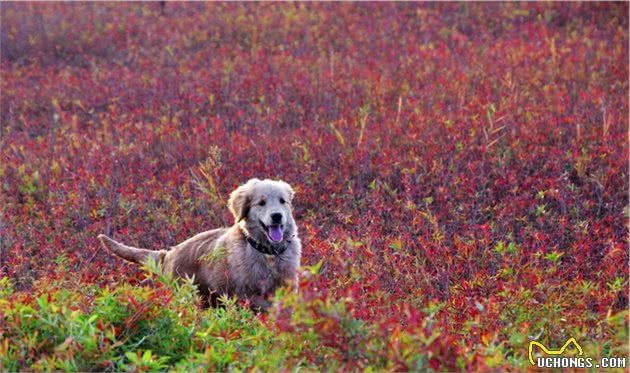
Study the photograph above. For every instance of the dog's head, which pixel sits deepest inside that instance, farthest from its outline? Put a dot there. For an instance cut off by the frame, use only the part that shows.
(263, 208)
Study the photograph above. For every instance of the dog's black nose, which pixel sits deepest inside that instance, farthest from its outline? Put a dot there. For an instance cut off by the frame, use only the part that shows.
(276, 218)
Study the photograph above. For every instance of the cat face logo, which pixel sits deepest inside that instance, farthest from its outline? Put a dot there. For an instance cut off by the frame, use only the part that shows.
(554, 360)
(553, 352)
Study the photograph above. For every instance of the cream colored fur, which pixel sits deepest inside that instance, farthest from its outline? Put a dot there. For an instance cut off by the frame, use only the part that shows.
(221, 260)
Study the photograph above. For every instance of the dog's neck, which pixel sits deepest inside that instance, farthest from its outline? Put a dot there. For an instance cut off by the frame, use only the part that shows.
(267, 250)
(262, 248)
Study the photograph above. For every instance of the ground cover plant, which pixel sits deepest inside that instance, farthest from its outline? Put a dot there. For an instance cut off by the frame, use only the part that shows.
(461, 174)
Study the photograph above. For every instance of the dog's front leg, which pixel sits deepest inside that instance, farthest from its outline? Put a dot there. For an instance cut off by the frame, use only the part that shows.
(295, 285)
(259, 303)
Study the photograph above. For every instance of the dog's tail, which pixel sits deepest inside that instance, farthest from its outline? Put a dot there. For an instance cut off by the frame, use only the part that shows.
(132, 254)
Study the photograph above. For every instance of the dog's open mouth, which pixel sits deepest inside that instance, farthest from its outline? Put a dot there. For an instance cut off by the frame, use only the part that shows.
(274, 232)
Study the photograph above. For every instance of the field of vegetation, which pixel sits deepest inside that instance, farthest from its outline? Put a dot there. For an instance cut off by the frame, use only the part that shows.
(461, 174)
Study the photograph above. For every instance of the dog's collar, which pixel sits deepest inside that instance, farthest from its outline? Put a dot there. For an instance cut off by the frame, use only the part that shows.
(267, 250)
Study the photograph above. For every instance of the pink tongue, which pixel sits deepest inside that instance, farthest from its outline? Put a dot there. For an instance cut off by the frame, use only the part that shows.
(275, 233)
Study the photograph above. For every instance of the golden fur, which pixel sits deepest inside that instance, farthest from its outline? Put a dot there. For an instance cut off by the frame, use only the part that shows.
(222, 261)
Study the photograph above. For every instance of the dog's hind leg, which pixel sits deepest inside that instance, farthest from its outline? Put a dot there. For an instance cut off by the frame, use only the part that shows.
(132, 254)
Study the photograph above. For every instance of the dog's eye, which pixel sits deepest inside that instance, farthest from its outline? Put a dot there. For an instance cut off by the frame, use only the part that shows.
(282, 200)
(262, 203)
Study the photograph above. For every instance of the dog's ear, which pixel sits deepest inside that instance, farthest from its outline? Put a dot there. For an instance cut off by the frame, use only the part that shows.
(288, 189)
(240, 200)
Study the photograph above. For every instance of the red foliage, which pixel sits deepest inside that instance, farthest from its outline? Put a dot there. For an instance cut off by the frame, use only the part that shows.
(449, 154)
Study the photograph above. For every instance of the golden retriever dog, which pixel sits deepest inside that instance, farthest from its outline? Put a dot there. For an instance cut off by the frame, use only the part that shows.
(249, 260)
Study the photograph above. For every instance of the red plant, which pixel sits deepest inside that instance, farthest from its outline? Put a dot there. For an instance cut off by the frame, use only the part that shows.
(458, 167)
